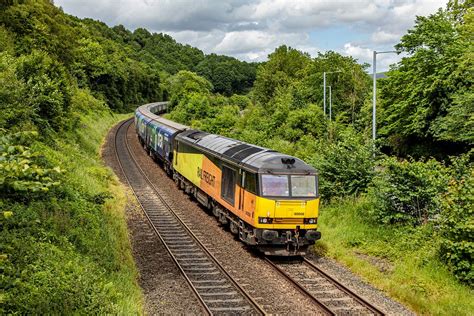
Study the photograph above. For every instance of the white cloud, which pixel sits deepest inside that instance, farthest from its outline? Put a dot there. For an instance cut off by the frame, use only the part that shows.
(384, 37)
(250, 29)
(360, 53)
(241, 42)
(365, 55)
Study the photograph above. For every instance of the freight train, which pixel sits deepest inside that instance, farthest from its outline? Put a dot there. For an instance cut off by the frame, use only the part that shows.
(268, 199)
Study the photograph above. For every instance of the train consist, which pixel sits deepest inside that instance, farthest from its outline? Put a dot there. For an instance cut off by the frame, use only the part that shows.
(268, 199)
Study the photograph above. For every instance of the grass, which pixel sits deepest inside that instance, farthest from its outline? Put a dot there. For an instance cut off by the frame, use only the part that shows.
(401, 261)
(68, 251)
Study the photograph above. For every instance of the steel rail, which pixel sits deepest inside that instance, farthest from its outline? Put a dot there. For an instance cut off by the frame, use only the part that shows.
(327, 309)
(202, 303)
(344, 289)
(254, 305)
(301, 288)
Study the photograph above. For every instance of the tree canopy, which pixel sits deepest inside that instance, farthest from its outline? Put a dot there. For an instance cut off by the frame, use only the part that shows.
(427, 98)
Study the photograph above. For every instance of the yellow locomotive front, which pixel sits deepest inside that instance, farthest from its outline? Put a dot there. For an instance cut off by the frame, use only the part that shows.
(270, 200)
(286, 210)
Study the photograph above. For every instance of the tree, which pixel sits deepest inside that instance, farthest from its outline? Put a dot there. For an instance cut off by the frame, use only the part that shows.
(284, 66)
(349, 81)
(426, 96)
(184, 83)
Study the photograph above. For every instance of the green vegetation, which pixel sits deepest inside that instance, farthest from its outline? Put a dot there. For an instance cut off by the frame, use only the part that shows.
(403, 261)
(398, 212)
(433, 114)
(64, 246)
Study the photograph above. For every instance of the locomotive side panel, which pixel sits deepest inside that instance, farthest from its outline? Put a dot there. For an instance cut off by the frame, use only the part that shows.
(205, 172)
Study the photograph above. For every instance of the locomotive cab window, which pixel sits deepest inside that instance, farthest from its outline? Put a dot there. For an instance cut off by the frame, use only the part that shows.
(303, 186)
(250, 182)
(229, 179)
(275, 185)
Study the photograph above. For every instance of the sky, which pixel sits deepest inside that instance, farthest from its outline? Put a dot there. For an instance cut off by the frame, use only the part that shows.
(250, 30)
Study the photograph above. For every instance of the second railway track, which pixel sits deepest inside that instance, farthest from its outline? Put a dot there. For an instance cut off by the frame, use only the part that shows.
(217, 291)
(333, 297)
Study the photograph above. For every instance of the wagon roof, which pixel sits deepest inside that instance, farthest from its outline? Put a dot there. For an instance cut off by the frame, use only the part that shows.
(150, 111)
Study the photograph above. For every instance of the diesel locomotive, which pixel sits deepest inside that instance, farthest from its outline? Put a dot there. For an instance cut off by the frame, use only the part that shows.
(268, 199)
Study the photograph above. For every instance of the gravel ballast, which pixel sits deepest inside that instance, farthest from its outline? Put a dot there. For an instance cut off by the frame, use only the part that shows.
(164, 289)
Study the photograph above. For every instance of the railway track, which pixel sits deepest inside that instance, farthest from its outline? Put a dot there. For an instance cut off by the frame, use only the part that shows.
(333, 297)
(216, 290)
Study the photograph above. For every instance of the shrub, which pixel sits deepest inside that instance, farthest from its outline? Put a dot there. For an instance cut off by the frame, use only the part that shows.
(21, 175)
(408, 191)
(346, 166)
(457, 222)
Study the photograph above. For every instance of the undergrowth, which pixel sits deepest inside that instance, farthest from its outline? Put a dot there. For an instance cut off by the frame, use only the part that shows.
(67, 249)
(403, 261)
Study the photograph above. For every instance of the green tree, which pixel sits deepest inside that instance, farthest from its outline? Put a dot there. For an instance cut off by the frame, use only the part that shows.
(427, 96)
(284, 66)
(185, 82)
(349, 82)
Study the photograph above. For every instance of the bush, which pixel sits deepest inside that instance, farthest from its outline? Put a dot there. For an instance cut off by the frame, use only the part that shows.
(21, 174)
(67, 250)
(346, 166)
(457, 222)
(408, 191)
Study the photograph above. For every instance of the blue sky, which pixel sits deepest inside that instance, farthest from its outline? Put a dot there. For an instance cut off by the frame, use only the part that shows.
(250, 30)
(335, 37)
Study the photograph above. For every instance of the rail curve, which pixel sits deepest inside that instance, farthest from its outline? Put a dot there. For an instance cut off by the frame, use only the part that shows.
(215, 289)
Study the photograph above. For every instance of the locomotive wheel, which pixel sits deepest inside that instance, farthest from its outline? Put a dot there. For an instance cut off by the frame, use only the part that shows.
(215, 211)
(234, 229)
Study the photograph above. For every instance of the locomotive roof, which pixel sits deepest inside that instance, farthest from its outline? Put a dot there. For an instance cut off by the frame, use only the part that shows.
(246, 155)
(151, 110)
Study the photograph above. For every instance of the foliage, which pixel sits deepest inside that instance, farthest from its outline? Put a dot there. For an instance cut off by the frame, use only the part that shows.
(241, 101)
(227, 74)
(12, 92)
(408, 191)
(195, 106)
(48, 89)
(284, 65)
(184, 83)
(36, 89)
(123, 68)
(427, 97)
(106, 68)
(291, 71)
(63, 248)
(349, 82)
(457, 221)
(66, 251)
(20, 173)
(346, 166)
(402, 261)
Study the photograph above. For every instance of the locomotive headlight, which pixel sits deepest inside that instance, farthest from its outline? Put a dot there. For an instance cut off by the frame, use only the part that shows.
(265, 220)
(311, 220)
